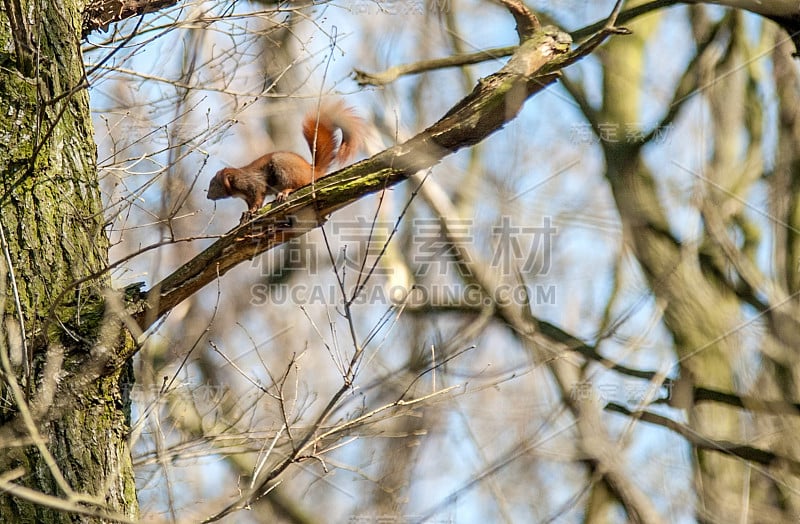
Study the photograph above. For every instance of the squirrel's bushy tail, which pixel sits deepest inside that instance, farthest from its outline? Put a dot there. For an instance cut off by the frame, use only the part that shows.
(321, 135)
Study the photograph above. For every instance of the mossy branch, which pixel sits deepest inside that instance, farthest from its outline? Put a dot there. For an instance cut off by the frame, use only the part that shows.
(494, 101)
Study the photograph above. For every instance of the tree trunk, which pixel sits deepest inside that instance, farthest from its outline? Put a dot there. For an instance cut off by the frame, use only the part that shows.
(704, 336)
(52, 236)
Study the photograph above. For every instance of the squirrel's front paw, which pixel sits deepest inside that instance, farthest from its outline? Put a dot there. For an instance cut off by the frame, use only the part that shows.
(282, 195)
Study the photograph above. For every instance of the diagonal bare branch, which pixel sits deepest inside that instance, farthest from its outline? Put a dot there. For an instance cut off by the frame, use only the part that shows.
(495, 101)
(743, 451)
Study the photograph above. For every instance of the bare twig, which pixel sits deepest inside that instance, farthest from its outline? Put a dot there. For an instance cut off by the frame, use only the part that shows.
(262, 486)
(65, 506)
(596, 33)
(743, 451)
(601, 452)
(393, 73)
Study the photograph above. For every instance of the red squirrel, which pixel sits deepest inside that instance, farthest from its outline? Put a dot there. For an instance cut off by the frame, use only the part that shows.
(282, 172)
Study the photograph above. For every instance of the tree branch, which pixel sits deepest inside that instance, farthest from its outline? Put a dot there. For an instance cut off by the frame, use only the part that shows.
(495, 101)
(527, 23)
(599, 29)
(743, 451)
(99, 14)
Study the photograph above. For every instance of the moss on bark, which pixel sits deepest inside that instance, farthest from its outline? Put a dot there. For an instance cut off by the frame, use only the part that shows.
(52, 221)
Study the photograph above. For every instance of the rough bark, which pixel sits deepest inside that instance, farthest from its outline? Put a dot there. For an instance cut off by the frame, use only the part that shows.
(52, 236)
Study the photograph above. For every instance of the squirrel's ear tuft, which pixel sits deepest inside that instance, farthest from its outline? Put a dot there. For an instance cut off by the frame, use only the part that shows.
(226, 180)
